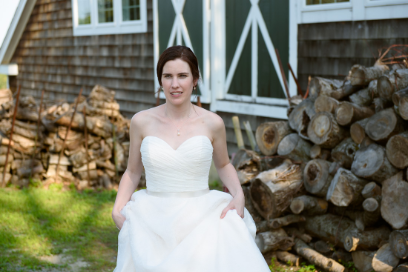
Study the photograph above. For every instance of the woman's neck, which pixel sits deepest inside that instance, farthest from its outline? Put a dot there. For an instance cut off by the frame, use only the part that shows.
(178, 112)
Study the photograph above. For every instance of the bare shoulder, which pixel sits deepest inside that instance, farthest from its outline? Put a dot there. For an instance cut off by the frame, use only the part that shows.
(142, 119)
(213, 121)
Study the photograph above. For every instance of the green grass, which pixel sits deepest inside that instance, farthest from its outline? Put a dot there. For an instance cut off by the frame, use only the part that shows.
(37, 222)
(3, 82)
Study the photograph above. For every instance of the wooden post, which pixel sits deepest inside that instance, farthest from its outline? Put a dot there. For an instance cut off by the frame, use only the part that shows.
(238, 133)
(283, 75)
(250, 134)
(11, 135)
(297, 82)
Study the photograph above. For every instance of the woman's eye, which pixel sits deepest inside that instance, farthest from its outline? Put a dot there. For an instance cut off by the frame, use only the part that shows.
(167, 76)
(182, 75)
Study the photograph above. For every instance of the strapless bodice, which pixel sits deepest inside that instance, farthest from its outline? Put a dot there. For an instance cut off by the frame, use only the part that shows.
(176, 170)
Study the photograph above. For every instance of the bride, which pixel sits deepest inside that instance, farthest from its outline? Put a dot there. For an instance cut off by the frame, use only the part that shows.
(177, 224)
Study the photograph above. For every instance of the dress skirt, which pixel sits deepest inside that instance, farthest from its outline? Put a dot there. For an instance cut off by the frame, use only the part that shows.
(172, 234)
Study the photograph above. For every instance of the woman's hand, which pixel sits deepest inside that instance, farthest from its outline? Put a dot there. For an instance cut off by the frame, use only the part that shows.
(119, 219)
(237, 203)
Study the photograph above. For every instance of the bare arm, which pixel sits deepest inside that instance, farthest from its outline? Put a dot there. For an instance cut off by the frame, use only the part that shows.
(131, 177)
(225, 169)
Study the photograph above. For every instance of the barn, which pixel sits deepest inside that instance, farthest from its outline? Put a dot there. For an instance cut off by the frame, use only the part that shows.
(61, 46)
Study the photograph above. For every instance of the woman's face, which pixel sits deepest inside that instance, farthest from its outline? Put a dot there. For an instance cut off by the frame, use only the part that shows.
(177, 81)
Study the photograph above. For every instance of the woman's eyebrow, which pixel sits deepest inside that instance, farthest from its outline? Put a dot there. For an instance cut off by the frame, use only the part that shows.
(182, 73)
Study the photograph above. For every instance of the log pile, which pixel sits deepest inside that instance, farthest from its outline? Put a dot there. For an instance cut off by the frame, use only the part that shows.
(89, 148)
(338, 188)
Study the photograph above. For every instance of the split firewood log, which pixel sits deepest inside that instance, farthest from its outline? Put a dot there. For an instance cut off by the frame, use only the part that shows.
(273, 240)
(62, 172)
(53, 159)
(372, 211)
(27, 109)
(29, 168)
(397, 150)
(300, 117)
(326, 103)
(390, 83)
(288, 258)
(317, 177)
(345, 189)
(295, 232)
(365, 96)
(316, 258)
(384, 259)
(362, 260)
(323, 130)
(91, 165)
(394, 201)
(322, 247)
(361, 75)
(268, 136)
(343, 231)
(322, 86)
(3, 159)
(285, 221)
(401, 268)
(371, 163)
(272, 191)
(348, 113)
(317, 152)
(100, 93)
(366, 142)
(383, 125)
(371, 190)
(344, 152)
(93, 175)
(308, 205)
(357, 130)
(295, 148)
(345, 90)
(399, 243)
(381, 103)
(104, 180)
(246, 163)
(341, 255)
(250, 207)
(400, 99)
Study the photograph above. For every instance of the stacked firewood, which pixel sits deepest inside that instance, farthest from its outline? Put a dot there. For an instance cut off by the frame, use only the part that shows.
(52, 144)
(332, 182)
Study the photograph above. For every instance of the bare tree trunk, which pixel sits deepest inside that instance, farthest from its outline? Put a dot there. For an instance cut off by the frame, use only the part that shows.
(348, 113)
(317, 177)
(323, 130)
(295, 148)
(394, 201)
(383, 125)
(399, 243)
(345, 189)
(309, 205)
(397, 150)
(268, 136)
(371, 163)
(344, 152)
(316, 258)
(384, 260)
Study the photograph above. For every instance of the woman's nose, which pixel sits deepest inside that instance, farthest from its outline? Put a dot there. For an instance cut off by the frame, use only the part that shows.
(174, 83)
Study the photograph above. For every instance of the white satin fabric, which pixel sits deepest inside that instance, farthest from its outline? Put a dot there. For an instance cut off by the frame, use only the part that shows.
(177, 228)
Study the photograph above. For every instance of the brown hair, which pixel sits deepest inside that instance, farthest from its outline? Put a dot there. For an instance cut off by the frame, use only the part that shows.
(178, 52)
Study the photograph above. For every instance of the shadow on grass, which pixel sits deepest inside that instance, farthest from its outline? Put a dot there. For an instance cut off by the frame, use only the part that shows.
(37, 222)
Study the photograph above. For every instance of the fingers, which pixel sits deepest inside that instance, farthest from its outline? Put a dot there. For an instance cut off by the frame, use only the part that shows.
(224, 212)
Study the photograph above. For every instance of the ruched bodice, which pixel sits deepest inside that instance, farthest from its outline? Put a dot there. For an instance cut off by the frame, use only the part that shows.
(176, 170)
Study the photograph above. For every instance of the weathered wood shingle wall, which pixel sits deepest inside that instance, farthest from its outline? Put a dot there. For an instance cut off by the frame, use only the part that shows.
(330, 49)
(51, 58)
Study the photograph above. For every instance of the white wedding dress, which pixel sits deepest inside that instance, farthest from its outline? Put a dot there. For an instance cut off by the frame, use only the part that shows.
(174, 225)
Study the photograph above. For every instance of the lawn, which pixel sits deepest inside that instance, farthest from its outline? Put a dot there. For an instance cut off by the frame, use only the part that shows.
(56, 230)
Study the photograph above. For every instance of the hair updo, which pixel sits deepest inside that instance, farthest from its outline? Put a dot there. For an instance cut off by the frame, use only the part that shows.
(178, 52)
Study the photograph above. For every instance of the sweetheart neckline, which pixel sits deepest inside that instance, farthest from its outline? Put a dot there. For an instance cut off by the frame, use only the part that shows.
(181, 143)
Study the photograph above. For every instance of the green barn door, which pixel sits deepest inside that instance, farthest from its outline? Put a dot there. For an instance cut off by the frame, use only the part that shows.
(253, 30)
(185, 22)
